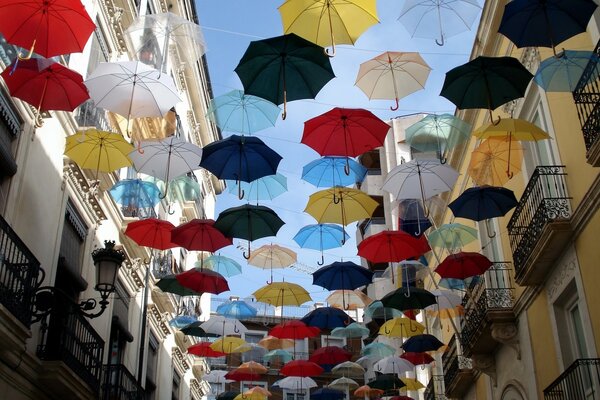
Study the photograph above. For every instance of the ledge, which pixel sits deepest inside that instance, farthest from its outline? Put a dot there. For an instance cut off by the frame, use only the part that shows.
(13, 334)
(61, 382)
(593, 154)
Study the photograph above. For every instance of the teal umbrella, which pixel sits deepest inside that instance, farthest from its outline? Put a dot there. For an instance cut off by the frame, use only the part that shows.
(562, 73)
(377, 310)
(282, 355)
(438, 133)
(170, 284)
(265, 188)
(377, 350)
(452, 236)
(354, 330)
(221, 264)
(242, 113)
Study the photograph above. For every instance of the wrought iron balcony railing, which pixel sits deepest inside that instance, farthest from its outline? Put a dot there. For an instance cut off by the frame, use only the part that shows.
(544, 201)
(587, 101)
(119, 384)
(19, 270)
(580, 381)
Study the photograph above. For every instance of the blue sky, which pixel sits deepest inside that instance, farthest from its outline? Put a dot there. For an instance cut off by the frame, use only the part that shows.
(229, 26)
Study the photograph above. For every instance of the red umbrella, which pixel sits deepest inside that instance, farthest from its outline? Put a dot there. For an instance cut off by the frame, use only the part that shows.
(463, 265)
(203, 349)
(346, 132)
(46, 85)
(392, 246)
(294, 330)
(203, 281)
(401, 397)
(330, 355)
(418, 358)
(50, 27)
(200, 235)
(151, 232)
(302, 368)
(239, 376)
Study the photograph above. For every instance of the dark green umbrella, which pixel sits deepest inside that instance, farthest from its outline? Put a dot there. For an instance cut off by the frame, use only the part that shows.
(194, 329)
(169, 284)
(408, 298)
(486, 82)
(227, 395)
(386, 382)
(284, 68)
(248, 222)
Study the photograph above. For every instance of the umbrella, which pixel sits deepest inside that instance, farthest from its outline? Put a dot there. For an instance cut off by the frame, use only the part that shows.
(40, 26)
(296, 382)
(354, 330)
(377, 310)
(132, 89)
(183, 188)
(438, 133)
(242, 113)
(417, 358)
(248, 222)
(242, 158)
(463, 265)
(252, 352)
(327, 394)
(401, 327)
(563, 72)
(199, 235)
(283, 69)
(240, 376)
(411, 270)
(148, 32)
(170, 284)
(238, 309)
(223, 265)
(393, 365)
(347, 132)
(411, 215)
(327, 318)
(135, 194)
(203, 349)
(486, 82)
(452, 236)
(446, 299)
(182, 321)
(545, 23)
(452, 284)
(483, 202)
(220, 325)
(407, 298)
(410, 384)
(451, 16)
(252, 367)
(329, 171)
(216, 376)
(272, 256)
(377, 350)
(392, 75)
(254, 393)
(265, 188)
(294, 329)
(330, 355)
(151, 232)
(227, 345)
(203, 281)
(392, 246)
(280, 294)
(46, 85)
(328, 22)
(366, 391)
(343, 384)
(422, 343)
(273, 343)
(302, 368)
(194, 328)
(495, 161)
(348, 299)
(342, 275)
(283, 356)
(386, 382)
(348, 368)
(227, 395)
(321, 237)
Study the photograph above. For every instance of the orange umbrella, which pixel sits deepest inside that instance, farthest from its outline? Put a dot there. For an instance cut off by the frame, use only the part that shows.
(252, 367)
(257, 390)
(366, 391)
(273, 343)
(492, 158)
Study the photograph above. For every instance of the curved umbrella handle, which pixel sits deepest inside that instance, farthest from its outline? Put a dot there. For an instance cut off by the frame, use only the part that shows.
(394, 108)
(29, 54)
(169, 210)
(328, 54)
(496, 122)
(284, 113)
(440, 43)
(347, 167)
(322, 260)
(487, 228)
(241, 192)
(385, 329)
(235, 328)
(247, 257)
(411, 327)
(443, 160)
(39, 121)
(336, 200)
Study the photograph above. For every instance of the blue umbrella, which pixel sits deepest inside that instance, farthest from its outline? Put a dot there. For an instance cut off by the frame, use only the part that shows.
(329, 171)
(237, 309)
(182, 321)
(327, 394)
(221, 264)
(327, 318)
(562, 73)
(354, 330)
(378, 350)
(283, 355)
(484, 202)
(265, 188)
(135, 193)
(452, 283)
(242, 113)
(242, 158)
(342, 275)
(421, 343)
(321, 237)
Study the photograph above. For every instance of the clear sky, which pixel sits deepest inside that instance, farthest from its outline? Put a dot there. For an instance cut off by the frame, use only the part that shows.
(229, 26)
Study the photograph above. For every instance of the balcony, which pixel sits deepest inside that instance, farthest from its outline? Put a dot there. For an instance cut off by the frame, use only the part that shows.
(540, 226)
(119, 384)
(580, 381)
(88, 115)
(435, 388)
(458, 371)
(587, 100)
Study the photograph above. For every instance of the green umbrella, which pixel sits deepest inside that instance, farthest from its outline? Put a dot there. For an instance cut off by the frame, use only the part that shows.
(194, 329)
(407, 298)
(283, 355)
(284, 68)
(438, 133)
(169, 284)
(452, 236)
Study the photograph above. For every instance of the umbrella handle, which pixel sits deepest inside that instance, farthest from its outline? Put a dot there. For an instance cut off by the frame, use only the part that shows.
(440, 43)
(39, 121)
(241, 192)
(496, 122)
(169, 210)
(235, 329)
(347, 167)
(411, 328)
(487, 228)
(328, 54)
(247, 257)
(29, 55)
(322, 260)
(284, 113)
(385, 329)
(394, 108)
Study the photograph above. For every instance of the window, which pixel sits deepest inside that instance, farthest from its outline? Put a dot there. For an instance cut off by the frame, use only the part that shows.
(175, 386)
(294, 394)
(301, 349)
(151, 366)
(247, 385)
(541, 152)
(569, 322)
(119, 330)
(98, 50)
(333, 341)
(72, 240)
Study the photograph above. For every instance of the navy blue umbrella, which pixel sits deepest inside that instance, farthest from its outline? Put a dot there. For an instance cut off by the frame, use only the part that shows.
(483, 202)
(327, 318)
(412, 218)
(240, 158)
(327, 394)
(342, 275)
(421, 343)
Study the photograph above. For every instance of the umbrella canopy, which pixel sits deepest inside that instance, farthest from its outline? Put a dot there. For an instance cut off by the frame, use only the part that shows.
(348, 299)
(274, 343)
(392, 75)
(282, 294)
(330, 355)
(203, 281)
(411, 384)
(227, 345)
(409, 271)
(327, 318)
(40, 26)
(170, 284)
(223, 265)
(401, 327)
(407, 298)
(486, 82)
(132, 89)
(252, 352)
(321, 237)
(354, 330)
(240, 376)
(563, 72)
(412, 218)
(327, 394)
(422, 343)
(392, 246)
(302, 368)
(483, 202)
(135, 194)
(253, 367)
(99, 150)
(342, 275)
(194, 329)
(216, 376)
(386, 382)
(181, 321)
(451, 16)
(220, 325)
(242, 113)
(283, 356)
(446, 299)
(297, 383)
(495, 160)
(340, 205)
(463, 265)
(377, 350)
(377, 310)
(251, 396)
(238, 309)
(151, 232)
(265, 188)
(366, 391)
(393, 365)
(417, 358)
(257, 390)
(271, 256)
(348, 368)
(200, 235)
(330, 171)
(452, 236)
(227, 395)
(438, 133)
(203, 349)
(294, 330)
(343, 384)
(283, 69)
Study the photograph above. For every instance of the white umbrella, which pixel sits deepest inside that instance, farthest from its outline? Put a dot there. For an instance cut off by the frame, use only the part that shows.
(343, 384)
(393, 365)
(132, 89)
(446, 299)
(216, 376)
(296, 382)
(220, 325)
(348, 368)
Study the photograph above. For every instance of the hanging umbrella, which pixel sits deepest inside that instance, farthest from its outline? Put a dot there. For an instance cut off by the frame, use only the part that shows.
(330, 355)
(223, 265)
(321, 237)
(254, 393)
(170, 284)
(410, 271)
(151, 232)
(422, 343)
(411, 216)
(347, 132)
(272, 256)
(135, 194)
(417, 358)
(252, 352)
(169, 31)
(297, 383)
(354, 330)
(446, 299)
(227, 395)
(242, 113)
(438, 133)
(181, 321)
(495, 161)
(265, 188)
(486, 82)
(407, 298)
(463, 265)
(330, 171)
(216, 376)
(227, 344)
(220, 325)
(451, 16)
(348, 299)
(294, 329)
(194, 329)
(348, 368)
(366, 391)
(283, 69)
(392, 246)
(392, 75)
(452, 284)
(545, 23)
(452, 236)
(238, 309)
(393, 365)
(386, 382)
(327, 394)
(410, 384)
(248, 222)
(342, 275)
(401, 327)
(302, 368)
(280, 294)
(483, 202)
(343, 384)
(40, 26)
(240, 376)
(252, 367)
(376, 310)
(563, 72)
(199, 235)
(328, 22)
(184, 188)
(283, 356)
(203, 349)
(132, 89)
(273, 343)
(327, 318)
(377, 350)
(203, 281)
(242, 158)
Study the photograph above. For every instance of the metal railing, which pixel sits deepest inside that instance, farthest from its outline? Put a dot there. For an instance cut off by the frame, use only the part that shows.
(544, 201)
(587, 100)
(581, 381)
(88, 114)
(19, 270)
(119, 384)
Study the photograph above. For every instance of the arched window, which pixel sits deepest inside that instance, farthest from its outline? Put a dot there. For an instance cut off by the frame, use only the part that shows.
(512, 392)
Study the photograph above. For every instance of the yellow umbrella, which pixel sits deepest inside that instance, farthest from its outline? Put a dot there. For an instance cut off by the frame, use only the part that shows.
(257, 390)
(447, 313)
(411, 384)
(327, 22)
(282, 294)
(401, 327)
(273, 343)
(227, 344)
(353, 299)
(491, 160)
(272, 256)
(251, 396)
(252, 367)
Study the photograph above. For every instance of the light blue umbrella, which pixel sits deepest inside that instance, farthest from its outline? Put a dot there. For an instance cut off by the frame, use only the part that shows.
(135, 193)
(182, 321)
(562, 73)
(221, 264)
(377, 350)
(452, 236)
(438, 133)
(238, 309)
(242, 113)
(265, 188)
(329, 171)
(283, 355)
(354, 330)
(321, 237)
